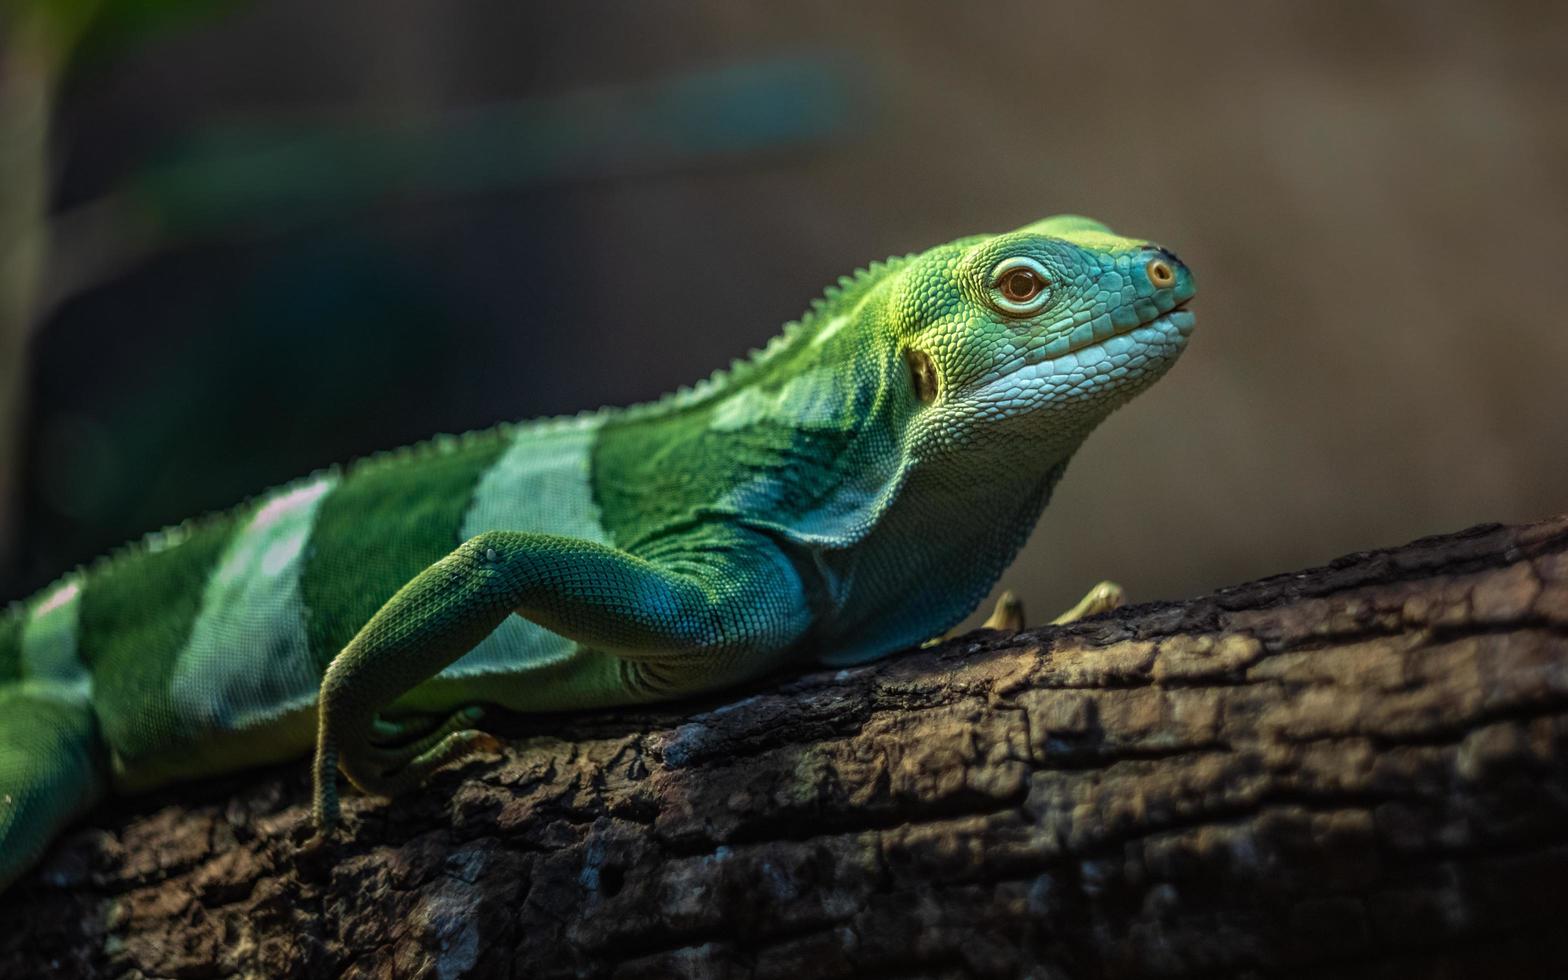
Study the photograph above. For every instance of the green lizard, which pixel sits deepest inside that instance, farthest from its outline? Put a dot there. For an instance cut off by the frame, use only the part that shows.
(853, 489)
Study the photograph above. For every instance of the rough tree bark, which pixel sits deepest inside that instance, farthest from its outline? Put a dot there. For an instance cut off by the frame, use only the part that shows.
(1354, 770)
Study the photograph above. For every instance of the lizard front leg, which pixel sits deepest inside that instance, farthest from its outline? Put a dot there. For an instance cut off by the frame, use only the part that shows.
(1008, 613)
(685, 618)
(1103, 598)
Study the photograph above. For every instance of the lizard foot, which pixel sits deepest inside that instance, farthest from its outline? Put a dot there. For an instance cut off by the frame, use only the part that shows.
(1101, 599)
(418, 734)
(401, 768)
(1008, 613)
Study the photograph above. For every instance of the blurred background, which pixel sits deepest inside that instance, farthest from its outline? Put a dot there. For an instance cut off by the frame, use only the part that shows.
(240, 241)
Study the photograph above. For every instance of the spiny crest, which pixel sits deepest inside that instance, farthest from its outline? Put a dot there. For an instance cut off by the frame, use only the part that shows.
(153, 542)
(442, 444)
(841, 296)
(851, 288)
(173, 535)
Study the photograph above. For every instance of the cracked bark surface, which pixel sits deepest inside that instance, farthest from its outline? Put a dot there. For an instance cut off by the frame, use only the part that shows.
(1356, 770)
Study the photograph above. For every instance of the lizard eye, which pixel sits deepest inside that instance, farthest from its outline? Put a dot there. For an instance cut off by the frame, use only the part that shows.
(1018, 287)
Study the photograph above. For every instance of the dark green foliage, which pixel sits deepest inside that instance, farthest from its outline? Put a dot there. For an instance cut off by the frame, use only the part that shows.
(392, 516)
(100, 29)
(137, 611)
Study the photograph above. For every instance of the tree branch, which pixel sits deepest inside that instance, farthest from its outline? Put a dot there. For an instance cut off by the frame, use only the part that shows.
(1353, 770)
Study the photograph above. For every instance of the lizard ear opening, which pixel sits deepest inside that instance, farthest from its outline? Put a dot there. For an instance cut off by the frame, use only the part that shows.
(922, 372)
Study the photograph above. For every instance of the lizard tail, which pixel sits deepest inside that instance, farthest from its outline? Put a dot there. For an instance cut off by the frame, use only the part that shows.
(52, 765)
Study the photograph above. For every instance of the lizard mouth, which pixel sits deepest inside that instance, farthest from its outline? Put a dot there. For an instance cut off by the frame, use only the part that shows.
(1150, 342)
(1176, 318)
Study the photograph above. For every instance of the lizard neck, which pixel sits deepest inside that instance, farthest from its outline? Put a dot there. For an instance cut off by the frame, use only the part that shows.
(802, 441)
(932, 557)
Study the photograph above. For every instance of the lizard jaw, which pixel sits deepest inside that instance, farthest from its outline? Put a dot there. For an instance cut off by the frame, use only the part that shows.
(1149, 345)
(1184, 323)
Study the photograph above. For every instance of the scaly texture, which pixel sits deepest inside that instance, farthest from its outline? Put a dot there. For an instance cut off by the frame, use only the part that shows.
(852, 489)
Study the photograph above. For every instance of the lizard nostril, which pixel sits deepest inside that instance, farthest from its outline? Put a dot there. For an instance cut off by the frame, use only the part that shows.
(1160, 273)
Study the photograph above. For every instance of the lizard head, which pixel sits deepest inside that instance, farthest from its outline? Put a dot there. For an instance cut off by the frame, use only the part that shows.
(1028, 340)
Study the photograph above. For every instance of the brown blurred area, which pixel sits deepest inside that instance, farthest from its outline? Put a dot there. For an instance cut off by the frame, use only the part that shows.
(1374, 198)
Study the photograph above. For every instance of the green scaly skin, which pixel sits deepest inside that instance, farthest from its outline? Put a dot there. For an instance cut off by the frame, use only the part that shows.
(851, 490)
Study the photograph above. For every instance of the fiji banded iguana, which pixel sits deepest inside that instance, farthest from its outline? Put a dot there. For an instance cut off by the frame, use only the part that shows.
(853, 489)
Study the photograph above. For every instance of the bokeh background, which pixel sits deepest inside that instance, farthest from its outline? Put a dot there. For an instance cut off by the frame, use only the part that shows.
(271, 236)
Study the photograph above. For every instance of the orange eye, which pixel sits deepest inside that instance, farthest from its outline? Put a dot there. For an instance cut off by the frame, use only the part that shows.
(1021, 286)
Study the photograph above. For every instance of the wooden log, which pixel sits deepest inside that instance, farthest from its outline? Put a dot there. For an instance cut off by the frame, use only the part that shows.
(1356, 770)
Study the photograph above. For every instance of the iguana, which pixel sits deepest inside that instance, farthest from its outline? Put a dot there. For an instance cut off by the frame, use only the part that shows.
(852, 489)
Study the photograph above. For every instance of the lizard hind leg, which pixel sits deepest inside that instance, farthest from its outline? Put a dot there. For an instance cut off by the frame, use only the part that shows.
(52, 768)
